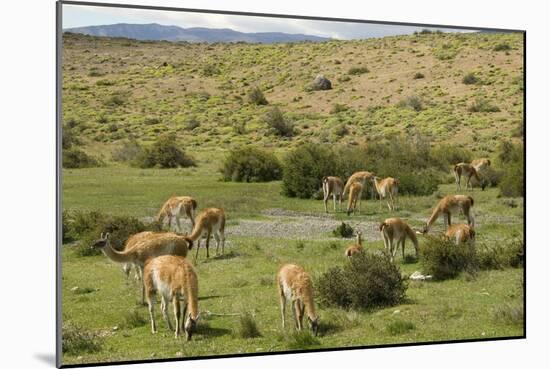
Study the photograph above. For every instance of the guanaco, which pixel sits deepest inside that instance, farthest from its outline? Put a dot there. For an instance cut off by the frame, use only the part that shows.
(451, 204)
(396, 230)
(333, 186)
(481, 164)
(356, 189)
(294, 284)
(210, 220)
(360, 177)
(387, 187)
(173, 277)
(144, 245)
(356, 248)
(176, 207)
(460, 233)
(468, 171)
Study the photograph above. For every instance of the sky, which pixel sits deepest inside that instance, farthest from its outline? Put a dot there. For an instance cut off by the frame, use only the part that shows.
(79, 16)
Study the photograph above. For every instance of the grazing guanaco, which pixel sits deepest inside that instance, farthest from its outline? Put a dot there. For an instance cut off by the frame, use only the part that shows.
(461, 233)
(173, 277)
(468, 171)
(451, 204)
(355, 191)
(210, 220)
(144, 245)
(387, 187)
(294, 284)
(395, 230)
(356, 248)
(361, 177)
(176, 207)
(333, 186)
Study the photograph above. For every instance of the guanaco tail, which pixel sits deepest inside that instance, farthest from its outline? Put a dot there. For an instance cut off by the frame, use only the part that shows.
(173, 277)
(294, 284)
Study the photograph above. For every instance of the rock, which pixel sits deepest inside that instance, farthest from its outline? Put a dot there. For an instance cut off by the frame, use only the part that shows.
(179, 354)
(417, 276)
(321, 83)
(74, 289)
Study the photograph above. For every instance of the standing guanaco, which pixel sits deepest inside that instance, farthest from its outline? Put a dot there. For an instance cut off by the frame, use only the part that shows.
(360, 177)
(176, 207)
(144, 245)
(396, 230)
(469, 171)
(461, 233)
(356, 248)
(355, 191)
(294, 284)
(173, 277)
(387, 187)
(452, 204)
(210, 220)
(333, 186)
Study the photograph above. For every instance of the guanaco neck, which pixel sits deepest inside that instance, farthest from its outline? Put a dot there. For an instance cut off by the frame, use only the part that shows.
(412, 236)
(197, 231)
(359, 239)
(433, 218)
(117, 256)
(309, 305)
(377, 185)
(192, 299)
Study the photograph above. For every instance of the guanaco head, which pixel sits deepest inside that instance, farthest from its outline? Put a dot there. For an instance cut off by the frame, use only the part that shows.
(190, 327)
(102, 242)
(314, 324)
(424, 230)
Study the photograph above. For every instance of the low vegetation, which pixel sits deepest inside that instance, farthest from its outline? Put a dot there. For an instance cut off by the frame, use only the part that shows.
(78, 340)
(251, 164)
(442, 259)
(278, 123)
(165, 153)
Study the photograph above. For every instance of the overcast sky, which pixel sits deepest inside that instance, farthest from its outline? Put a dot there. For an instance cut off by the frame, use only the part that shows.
(78, 16)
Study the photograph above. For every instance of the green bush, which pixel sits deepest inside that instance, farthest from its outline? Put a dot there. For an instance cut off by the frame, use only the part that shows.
(133, 319)
(364, 282)
(412, 102)
(446, 155)
(251, 164)
(191, 124)
(502, 47)
(278, 123)
(247, 327)
(504, 254)
(355, 71)
(470, 79)
(481, 105)
(398, 327)
(510, 160)
(445, 260)
(77, 340)
(344, 230)
(75, 158)
(165, 153)
(338, 108)
(418, 75)
(303, 169)
(128, 151)
(68, 138)
(302, 340)
(256, 96)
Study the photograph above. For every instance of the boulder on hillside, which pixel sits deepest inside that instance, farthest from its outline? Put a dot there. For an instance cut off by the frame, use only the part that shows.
(321, 83)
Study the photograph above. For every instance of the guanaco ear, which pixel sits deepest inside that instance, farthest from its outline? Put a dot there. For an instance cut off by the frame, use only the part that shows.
(101, 236)
(107, 235)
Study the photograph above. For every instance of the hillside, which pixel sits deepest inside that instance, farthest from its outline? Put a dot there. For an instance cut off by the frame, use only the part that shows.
(115, 88)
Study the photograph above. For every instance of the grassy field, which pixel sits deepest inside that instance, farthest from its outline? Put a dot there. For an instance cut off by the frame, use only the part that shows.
(114, 89)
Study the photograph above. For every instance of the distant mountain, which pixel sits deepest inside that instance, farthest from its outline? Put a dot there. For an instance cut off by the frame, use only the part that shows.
(157, 32)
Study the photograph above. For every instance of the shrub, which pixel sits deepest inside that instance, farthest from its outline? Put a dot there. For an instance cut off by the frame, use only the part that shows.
(444, 260)
(446, 155)
(398, 327)
(68, 138)
(116, 99)
(337, 108)
(303, 169)
(502, 47)
(470, 79)
(341, 130)
(165, 153)
(412, 102)
(251, 164)
(128, 151)
(76, 339)
(418, 75)
(191, 124)
(355, 71)
(482, 106)
(247, 327)
(343, 230)
(75, 158)
(301, 340)
(344, 78)
(364, 282)
(510, 159)
(504, 254)
(256, 96)
(278, 123)
(133, 319)
(511, 313)
(210, 70)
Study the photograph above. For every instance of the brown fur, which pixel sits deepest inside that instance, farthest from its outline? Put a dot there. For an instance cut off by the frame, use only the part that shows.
(333, 186)
(210, 220)
(173, 277)
(145, 245)
(355, 191)
(387, 187)
(397, 230)
(481, 164)
(467, 170)
(460, 233)
(360, 177)
(355, 248)
(452, 204)
(299, 289)
(176, 207)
